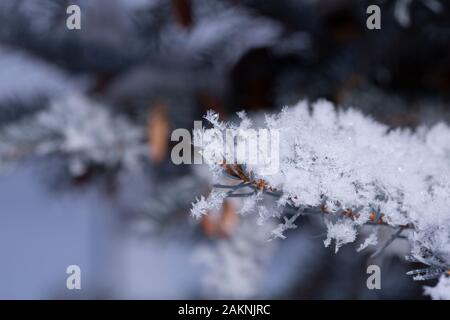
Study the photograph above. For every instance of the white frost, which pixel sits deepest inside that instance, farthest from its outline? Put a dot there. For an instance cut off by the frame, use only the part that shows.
(343, 231)
(354, 167)
(371, 240)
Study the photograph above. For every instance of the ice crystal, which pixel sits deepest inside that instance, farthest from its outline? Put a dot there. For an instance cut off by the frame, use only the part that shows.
(203, 205)
(355, 171)
(342, 232)
(371, 240)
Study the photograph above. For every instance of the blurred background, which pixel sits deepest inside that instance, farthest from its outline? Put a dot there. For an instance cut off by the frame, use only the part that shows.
(85, 123)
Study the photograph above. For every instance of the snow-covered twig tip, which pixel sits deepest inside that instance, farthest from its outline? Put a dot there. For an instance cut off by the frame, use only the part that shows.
(354, 172)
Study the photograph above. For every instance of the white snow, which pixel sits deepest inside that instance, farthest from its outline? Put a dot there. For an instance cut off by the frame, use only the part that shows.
(371, 240)
(343, 160)
(342, 232)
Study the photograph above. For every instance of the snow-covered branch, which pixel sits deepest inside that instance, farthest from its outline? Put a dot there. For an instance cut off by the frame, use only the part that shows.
(82, 130)
(352, 171)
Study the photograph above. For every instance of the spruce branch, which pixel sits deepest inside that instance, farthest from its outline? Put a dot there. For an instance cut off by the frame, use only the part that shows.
(403, 183)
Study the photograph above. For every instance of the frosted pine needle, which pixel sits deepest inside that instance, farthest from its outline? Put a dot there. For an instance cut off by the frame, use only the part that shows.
(354, 171)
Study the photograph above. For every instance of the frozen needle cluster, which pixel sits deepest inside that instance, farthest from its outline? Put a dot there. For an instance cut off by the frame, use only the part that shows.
(353, 171)
(84, 131)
